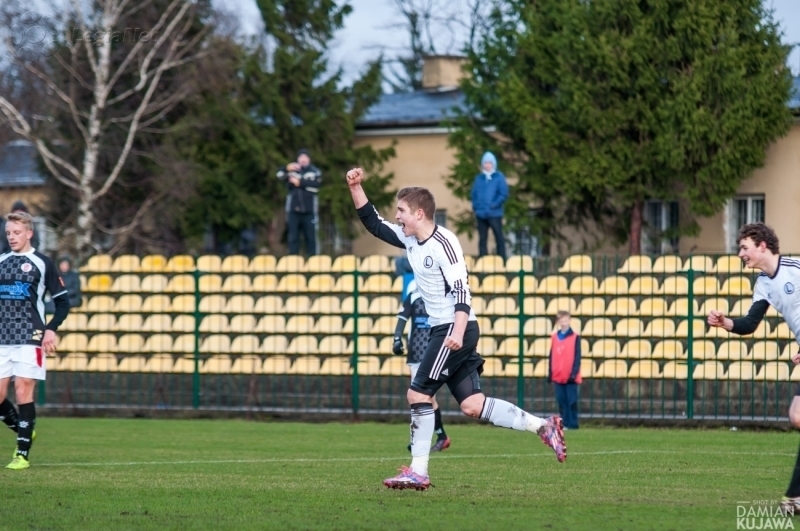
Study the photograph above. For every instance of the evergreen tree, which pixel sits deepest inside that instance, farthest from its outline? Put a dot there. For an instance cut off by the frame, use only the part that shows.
(600, 106)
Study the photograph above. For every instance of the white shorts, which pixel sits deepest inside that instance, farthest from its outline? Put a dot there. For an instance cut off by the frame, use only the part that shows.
(25, 361)
(413, 368)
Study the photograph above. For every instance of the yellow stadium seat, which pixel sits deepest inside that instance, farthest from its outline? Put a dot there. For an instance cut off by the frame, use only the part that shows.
(100, 303)
(346, 284)
(264, 263)
(765, 351)
(491, 284)
(102, 363)
(519, 262)
(703, 350)
(486, 346)
(305, 344)
(644, 369)
(209, 263)
(667, 264)
(236, 283)
(715, 303)
(478, 304)
(327, 304)
(774, 371)
(364, 325)
(379, 283)
(591, 306)
(533, 306)
(129, 322)
(492, 367)
(540, 348)
(680, 308)
(506, 306)
(698, 328)
(629, 327)
(215, 344)
(269, 304)
(484, 324)
(579, 263)
(154, 263)
(731, 264)
(644, 285)
(637, 264)
(126, 284)
(506, 326)
(300, 324)
(235, 264)
(75, 322)
(102, 343)
(660, 327)
(384, 305)
(99, 283)
(212, 303)
(675, 286)
(489, 264)
(214, 324)
(366, 345)
(180, 263)
(245, 344)
(603, 348)
(537, 327)
(553, 285)
(277, 365)
(297, 304)
(185, 365)
(128, 304)
(181, 284)
(706, 286)
(73, 362)
(376, 263)
(613, 286)
(103, 322)
(558, 304)
(529, 285)
(130, 343)
(583, 285)
(741, 307)
(669, 349)
(239, 304)
(637, 349)
(736, 287)
(318, 264)
(336, 366)
(247, 364)
(265, 283)
(733, 349)
(183, 304)
(242, 324)
(335, 345)
(275, 344)
(157, 322)
(98, 264)
(612, 369)
(210, 284)
(126, 263)
(158, 343)
(395, 366)
(322, 283)
(329, 324)
(511, 370)
(653, 306)
(73, 343)
(587, 368)
(621, 306)
(699, 263)
(675, 370)
(383, 326)
(741, 370)
(159, 363)
(291, 263)
(183, 324)
(782, 331)
(184, 344)
(345, 264)
(292, 283)
(305, 365)
(598, 327)
(369, 365)
(216, 365)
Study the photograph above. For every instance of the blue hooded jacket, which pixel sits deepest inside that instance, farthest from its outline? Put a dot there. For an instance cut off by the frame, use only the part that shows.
(489, 191)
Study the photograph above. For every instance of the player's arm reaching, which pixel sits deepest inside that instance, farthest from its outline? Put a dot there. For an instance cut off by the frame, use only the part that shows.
(55, 285)
(451, 261)
(375, 224)
(749, 323)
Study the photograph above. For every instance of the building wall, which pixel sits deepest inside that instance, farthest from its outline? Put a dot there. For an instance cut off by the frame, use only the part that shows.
(34, 197)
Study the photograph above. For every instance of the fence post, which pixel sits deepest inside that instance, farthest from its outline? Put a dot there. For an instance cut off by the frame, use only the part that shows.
(690, 347)
(197, 317)
(354, 362)
(42, 395)
(521, 353)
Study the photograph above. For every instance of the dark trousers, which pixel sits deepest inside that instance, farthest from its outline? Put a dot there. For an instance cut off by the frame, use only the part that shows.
(567, 398)
(304, 222)
(483, 234)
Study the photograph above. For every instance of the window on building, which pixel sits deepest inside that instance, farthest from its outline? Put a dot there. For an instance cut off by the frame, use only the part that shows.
(660, 225)
(440, 218)
(741, 211)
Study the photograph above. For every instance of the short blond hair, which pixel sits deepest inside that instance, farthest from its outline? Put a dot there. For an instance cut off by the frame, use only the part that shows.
(21, 217)
(562, 313)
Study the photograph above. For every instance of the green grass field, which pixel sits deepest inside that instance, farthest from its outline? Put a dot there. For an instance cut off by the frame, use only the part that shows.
(207, 474)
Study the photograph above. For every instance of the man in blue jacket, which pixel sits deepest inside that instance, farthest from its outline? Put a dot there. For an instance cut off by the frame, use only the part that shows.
(489, 194)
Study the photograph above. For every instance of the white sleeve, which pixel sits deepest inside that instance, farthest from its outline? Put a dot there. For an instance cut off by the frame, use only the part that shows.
(760, 292)
(450, 258)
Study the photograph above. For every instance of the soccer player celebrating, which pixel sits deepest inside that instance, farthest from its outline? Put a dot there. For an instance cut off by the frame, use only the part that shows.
(414, 308)
(777, 285)
(450, 356)
(25, 339)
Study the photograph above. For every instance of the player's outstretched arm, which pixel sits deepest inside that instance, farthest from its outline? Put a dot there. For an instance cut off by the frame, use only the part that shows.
(718, 320)
(375, 224)
(354, 178)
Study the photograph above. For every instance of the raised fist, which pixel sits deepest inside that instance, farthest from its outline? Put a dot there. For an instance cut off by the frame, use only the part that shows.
(355, 176)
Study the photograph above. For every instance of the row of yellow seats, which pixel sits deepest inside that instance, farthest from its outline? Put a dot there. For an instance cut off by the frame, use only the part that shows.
(734, 349)
(237, 264)
(241, 283)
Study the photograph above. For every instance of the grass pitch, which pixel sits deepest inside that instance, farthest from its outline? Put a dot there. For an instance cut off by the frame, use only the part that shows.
(207, 474)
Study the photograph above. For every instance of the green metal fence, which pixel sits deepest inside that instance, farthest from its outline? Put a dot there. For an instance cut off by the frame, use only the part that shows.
(315, 336)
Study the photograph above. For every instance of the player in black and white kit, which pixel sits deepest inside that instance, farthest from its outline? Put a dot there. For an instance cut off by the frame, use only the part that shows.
(25, 339)
(413, 309)
(777, 285)
(441, 274)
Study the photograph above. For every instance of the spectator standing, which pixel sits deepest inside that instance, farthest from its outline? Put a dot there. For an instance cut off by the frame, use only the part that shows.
(565, 369)
(72, 283)
(302, 206)
(489, 194)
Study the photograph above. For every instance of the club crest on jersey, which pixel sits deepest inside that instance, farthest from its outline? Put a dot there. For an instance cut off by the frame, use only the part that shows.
(26, 267)
(788, 288)
(428, 262)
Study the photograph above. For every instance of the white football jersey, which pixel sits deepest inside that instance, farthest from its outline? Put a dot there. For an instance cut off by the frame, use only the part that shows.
(782, 291)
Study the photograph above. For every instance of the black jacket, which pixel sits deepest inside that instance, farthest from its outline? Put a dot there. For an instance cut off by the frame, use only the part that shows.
(302, 199)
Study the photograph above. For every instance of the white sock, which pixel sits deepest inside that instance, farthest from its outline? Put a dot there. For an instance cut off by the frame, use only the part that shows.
(507, 415)
(422, 424)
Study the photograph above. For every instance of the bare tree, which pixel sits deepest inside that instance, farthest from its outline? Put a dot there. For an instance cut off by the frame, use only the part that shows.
(128, 88)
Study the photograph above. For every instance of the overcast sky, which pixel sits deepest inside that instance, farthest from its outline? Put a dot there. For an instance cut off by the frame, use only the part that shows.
(368, 30)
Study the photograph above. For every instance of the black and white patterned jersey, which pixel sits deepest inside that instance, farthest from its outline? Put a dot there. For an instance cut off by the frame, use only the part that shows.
(24, 279)
(438, 264)
(413, 310)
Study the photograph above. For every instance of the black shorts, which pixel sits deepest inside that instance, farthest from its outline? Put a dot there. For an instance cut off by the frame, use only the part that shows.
(441, 365)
